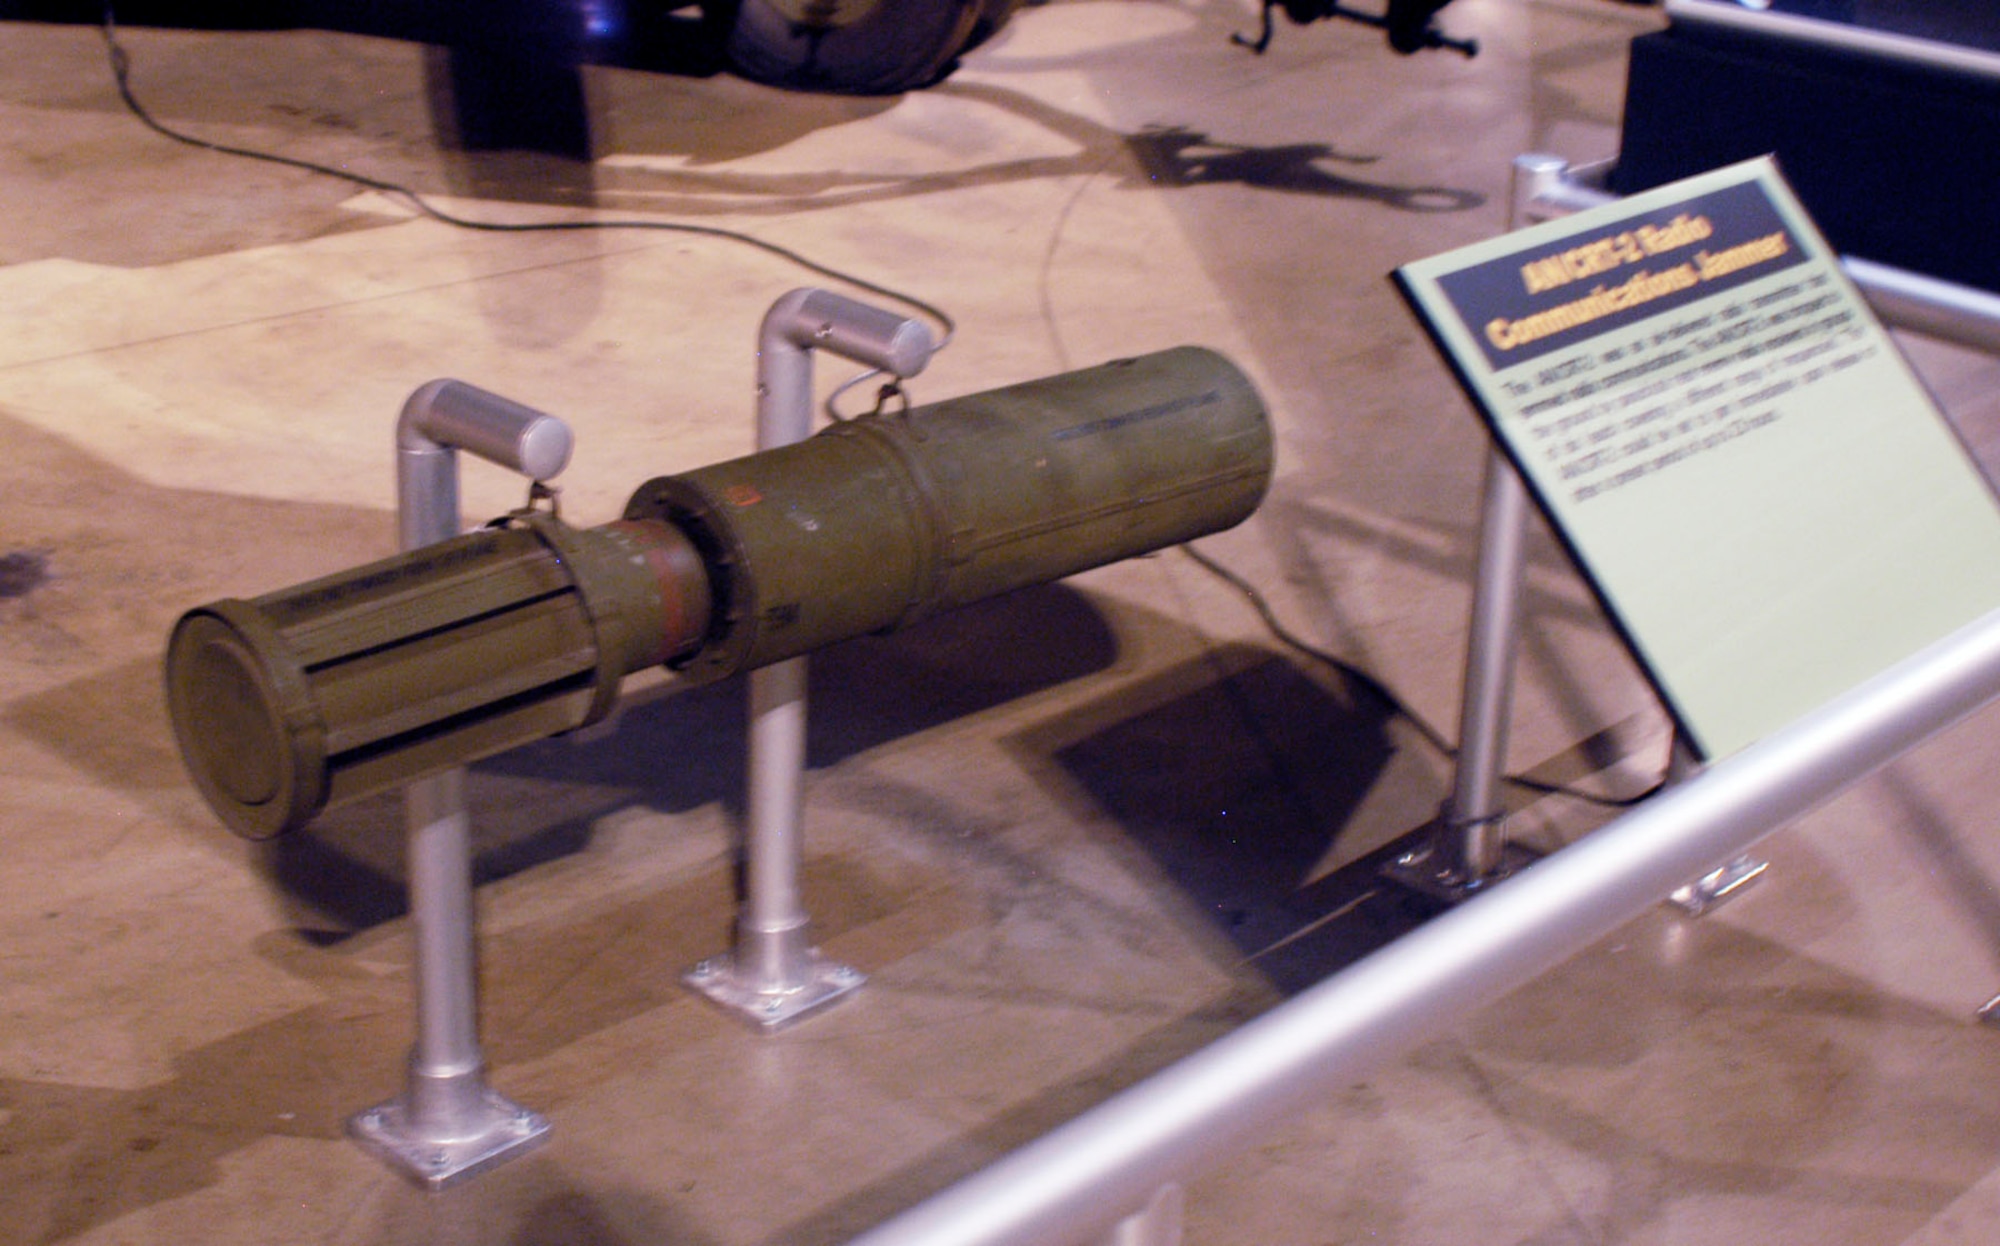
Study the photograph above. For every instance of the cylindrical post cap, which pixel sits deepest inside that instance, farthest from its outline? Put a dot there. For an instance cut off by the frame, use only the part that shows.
(452, 414)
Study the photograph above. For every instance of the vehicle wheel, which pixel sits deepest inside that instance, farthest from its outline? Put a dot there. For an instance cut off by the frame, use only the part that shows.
(861, 47)
(993, 14)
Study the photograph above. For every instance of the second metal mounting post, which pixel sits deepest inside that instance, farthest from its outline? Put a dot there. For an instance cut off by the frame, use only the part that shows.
(772, 975)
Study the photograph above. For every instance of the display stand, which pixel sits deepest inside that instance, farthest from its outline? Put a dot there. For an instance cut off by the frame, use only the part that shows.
(1467, 847)
(448, 1124)
(772, 975)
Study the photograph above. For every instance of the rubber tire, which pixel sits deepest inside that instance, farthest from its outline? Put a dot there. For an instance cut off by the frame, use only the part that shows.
(993, 14)
(899, 45)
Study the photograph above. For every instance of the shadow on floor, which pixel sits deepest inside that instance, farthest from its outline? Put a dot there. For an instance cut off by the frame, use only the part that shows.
(81, 1157)
(1808, 1084)
(1230, 778)
(1234, 778)
(676, 751)
(1178, 156)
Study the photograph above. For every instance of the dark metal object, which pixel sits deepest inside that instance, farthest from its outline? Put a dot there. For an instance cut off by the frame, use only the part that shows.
(1882, 117)
(1408, 24)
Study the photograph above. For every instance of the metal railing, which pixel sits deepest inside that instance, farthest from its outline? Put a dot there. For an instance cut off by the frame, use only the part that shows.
(1075, 1182)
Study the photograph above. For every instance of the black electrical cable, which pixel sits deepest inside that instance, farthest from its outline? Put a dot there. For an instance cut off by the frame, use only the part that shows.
(121, 72)
(1387, 696)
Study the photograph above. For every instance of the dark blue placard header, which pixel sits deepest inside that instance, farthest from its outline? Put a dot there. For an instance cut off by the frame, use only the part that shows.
(1528, 304)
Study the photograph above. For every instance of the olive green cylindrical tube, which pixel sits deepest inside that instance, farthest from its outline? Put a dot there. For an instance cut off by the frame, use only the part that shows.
(879, 521)
(367, 679)
(373, 677)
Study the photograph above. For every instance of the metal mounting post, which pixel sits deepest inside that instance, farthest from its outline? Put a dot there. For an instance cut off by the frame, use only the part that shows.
(448, 1124)
(1467, 848)
(772, 975)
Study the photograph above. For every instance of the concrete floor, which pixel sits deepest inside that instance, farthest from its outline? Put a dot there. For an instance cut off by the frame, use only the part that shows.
(1072, 835)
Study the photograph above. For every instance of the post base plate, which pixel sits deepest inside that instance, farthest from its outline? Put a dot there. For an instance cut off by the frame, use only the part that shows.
(824, 982)
(497, 1129)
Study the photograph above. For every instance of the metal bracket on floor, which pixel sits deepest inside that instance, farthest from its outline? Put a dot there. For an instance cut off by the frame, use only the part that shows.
(1989, 1012)
(1438, 867)
(1159, 1223)
(1719, 884)
(448, 1125)
(773, 976)
(1723, 882)
(774, 997)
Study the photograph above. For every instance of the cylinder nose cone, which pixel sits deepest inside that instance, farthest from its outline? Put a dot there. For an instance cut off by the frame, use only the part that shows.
(231, 720)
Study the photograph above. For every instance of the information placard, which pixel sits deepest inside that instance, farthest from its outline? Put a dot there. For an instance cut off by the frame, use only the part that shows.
(1762, 493)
